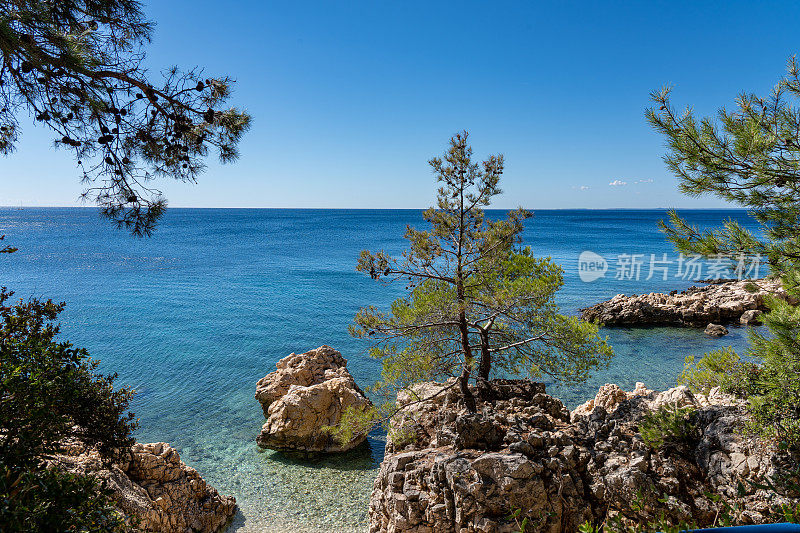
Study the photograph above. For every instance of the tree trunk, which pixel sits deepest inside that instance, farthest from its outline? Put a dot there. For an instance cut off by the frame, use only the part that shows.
(485, 365)
(469, 399)
(463, 384)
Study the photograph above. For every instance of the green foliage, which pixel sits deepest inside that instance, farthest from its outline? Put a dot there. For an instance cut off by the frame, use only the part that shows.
(78, 68)
(475, 295)
(721, 368)
(729, 512)
(669, 426)
(771, 387)
(773, 390)
(42, 500)
(354, 422)
(787, 484)
(520, 521)
(536, 521)
(50, 393)
(750, 157)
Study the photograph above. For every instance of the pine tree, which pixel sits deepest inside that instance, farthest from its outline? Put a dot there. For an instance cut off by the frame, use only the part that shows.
(476, 296)
(749, 157)
(77, 66)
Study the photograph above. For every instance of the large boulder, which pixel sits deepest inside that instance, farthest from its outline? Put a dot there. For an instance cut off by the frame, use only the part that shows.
(153, 488)
(722, 302)
(523, 455)
(751, 317)
(304, 398)
(716, 330)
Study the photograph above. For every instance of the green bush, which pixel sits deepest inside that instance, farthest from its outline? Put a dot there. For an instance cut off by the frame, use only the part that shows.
(738, 156)
(46, 500)
(618, 525)
(669, 425)
(773, 391)
(49, 392)
(721, 368)
(729, 512)
(769, 381)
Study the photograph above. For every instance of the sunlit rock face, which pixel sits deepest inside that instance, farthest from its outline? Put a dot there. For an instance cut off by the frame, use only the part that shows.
(154, 489)
(308, 393)
(447, 470)
(721, 303)
(524, 455)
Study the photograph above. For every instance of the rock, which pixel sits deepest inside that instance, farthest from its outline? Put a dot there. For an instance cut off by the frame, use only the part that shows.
(308, 393)
(715, 330)
(610, 396)
(469, 472)
(477, 432)
(677, 397)
(152, 485)
(306, 369)
(751, 317)
(723, 302)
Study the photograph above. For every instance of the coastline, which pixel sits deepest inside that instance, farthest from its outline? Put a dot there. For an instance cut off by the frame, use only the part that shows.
(241, 289)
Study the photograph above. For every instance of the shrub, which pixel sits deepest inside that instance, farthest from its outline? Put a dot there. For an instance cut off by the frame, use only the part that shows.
(770, 381)
(721, 368)
(49, 392)
(773, 391)
(669, 425)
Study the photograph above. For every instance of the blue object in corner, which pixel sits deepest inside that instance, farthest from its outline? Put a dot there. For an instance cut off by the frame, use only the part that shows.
(765, 528)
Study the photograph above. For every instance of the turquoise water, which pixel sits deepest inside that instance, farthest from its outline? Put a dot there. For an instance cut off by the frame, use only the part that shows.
(195, 315)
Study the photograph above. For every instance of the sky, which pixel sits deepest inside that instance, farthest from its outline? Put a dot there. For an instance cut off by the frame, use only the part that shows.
(350, 99)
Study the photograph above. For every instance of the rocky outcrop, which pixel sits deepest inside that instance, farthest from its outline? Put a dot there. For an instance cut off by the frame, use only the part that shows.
(524, 453)
(683, 480)
(751, 317)
(446, 470)
(610, 396)
(307, 394)
(154, 489)
(715, 330)
(719, 303)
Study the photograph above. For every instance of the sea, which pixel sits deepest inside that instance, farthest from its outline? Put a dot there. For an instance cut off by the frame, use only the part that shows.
(193, 316)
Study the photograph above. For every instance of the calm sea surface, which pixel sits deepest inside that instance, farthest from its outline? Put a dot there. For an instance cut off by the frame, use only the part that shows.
(195, 315)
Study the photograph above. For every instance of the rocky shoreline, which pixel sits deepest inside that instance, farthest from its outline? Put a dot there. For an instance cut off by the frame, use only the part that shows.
(522, 456)
(525, 454)
(719, 303)
(153, 488)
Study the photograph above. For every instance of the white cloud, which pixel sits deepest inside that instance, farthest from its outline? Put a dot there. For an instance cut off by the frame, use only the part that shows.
(581, 187)
(648, 180)
(618, 183)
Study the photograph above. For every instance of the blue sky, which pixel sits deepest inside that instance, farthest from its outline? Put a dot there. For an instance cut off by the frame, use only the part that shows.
(350, 99)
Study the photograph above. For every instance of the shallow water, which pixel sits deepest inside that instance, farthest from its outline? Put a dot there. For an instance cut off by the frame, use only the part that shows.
(194, 316)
